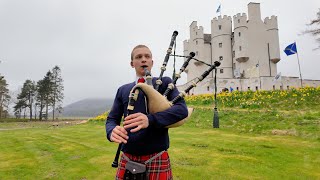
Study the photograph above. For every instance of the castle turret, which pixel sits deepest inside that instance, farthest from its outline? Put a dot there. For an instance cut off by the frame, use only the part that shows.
(221, 32)
(273, 38)
(240, 36)
(200, 47)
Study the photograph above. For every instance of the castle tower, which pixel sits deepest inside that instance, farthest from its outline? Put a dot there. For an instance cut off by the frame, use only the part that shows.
(240, 43)
(221, 32)
(273, 42)
(198, 43)
(258, 65)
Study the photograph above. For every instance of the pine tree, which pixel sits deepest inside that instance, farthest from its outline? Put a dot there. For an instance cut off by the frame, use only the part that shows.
(4, 97)
(20, 105)
(44, 94)
(57, 91)
(27, 95)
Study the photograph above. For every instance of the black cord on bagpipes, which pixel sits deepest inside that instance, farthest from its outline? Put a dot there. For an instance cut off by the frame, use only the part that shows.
(193, 59)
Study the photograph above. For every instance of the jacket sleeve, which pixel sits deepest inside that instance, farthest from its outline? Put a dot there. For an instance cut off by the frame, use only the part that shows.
(172, 115)
(115, 115)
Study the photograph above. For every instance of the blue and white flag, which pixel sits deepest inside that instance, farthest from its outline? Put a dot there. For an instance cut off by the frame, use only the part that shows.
(291, 49)
(218, 9)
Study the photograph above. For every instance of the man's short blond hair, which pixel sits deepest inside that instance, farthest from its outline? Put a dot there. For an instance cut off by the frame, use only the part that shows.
(139, 46)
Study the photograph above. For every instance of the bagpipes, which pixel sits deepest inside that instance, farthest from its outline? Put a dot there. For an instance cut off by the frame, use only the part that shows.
(157, 102)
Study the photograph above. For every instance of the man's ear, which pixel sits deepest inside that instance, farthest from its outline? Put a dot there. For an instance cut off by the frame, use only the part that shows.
(131, 64)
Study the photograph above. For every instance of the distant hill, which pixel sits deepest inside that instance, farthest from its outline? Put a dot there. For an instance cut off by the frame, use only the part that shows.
(87, 108)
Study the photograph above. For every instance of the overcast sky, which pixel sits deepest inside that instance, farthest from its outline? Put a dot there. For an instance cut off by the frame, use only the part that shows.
(91, 40)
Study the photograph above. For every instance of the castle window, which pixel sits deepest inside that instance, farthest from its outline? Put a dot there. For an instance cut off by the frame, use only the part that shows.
(240, 48)
(220, 58)
(237, 88)
(220, 45)
(281, 88)
(248, 88)
(239, 34)
(288, 87)
(233, 53)
(197, 53)
(274, 87)
(219, 27)
(197, 42)
(221, 71)
(208, 89)
(238, 20)
(257, 88)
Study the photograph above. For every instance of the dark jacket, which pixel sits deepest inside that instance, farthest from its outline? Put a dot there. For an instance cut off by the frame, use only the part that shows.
(155, 138)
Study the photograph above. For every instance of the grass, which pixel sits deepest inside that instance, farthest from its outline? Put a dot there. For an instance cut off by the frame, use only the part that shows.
(197, 152)
(264, 141)
(69, 152)
(250, 144)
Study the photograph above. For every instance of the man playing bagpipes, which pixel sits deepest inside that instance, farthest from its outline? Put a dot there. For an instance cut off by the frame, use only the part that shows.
(144, 135)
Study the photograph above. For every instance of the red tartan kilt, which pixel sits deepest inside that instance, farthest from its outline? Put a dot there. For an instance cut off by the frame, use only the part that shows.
(158, 169)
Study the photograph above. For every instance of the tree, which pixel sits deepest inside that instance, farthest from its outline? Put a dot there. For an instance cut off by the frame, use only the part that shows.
(20, 105)
(4, 97)
(27, 95)
(315, 30)
(44, 94)
(57, 90)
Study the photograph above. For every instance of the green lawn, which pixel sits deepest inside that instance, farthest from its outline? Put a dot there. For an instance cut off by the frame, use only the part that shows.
(250, 144)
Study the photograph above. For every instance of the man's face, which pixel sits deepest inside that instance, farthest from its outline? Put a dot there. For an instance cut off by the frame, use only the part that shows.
(142, 57)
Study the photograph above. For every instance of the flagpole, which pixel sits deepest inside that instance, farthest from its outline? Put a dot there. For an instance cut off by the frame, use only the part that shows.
(299, 67)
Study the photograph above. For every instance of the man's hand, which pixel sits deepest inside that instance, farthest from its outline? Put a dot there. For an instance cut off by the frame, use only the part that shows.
(119, 135)
(138, 120)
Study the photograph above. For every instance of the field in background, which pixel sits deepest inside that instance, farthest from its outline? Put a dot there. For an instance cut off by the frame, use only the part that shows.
(270, 135)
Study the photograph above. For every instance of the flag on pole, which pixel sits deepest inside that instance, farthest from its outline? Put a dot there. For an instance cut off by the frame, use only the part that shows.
(291, 49)
(218, 9)
(277, 77)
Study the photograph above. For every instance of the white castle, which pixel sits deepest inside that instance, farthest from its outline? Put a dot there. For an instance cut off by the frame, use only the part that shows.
(249, 52)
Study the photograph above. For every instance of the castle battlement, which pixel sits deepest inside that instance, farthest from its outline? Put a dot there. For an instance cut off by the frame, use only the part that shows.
(221, 19)
(240, 20)
(271, 22)
(221, 25)
(196, 31)
(240, 15)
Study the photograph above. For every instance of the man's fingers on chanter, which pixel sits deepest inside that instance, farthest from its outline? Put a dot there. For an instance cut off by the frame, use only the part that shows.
(132, 125)
(136, 129)
(131, 121)
(114, 139)
(132, 116)
(121, 129)
(120, 133)
(118, 138)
